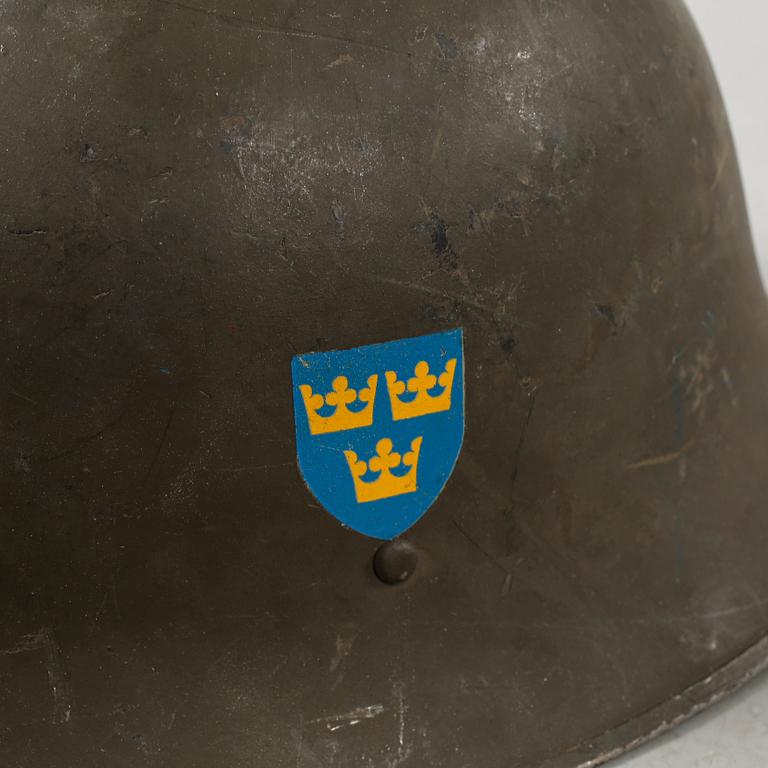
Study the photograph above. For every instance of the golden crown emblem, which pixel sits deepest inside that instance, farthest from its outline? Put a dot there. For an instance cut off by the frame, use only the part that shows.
(387, 484)
(340, 398)
(421, 384)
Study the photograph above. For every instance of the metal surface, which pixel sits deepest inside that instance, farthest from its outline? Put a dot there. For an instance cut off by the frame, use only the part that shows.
(395, 561)
(193, 194)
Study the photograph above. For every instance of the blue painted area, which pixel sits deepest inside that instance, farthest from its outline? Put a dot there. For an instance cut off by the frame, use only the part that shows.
(321, 457)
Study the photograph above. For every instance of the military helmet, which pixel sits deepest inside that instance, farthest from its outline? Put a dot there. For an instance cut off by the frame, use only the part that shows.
(383, 384)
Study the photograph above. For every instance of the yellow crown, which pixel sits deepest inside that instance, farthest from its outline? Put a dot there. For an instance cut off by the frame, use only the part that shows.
(387, 484)
(422, 382)
(342, 418)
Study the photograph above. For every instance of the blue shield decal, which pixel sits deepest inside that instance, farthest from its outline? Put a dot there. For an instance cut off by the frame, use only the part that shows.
(379, 428)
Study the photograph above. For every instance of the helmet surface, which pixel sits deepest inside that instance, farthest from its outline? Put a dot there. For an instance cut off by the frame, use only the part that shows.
(209, 211)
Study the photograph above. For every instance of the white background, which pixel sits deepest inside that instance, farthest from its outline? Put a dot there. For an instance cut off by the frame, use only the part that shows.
(733, 734)
(736, 34)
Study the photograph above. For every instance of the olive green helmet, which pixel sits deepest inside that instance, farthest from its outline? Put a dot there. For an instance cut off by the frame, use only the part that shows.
(383, 384)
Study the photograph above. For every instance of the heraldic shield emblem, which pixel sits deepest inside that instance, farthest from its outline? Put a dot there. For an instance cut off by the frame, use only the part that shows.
(379, 428)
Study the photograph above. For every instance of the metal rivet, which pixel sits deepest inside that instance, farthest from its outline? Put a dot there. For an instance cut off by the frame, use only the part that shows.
(395, 561)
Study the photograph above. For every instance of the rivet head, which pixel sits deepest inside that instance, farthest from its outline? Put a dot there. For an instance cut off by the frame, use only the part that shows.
(395, 561)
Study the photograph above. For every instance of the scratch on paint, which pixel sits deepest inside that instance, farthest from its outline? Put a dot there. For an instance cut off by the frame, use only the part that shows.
(403, 751)
(43, 640)
(161, 444)
(28, 643)
(337, 62)
(354, 717)
(726, 377)
(254, 468)
(436, 144)
(664, 458)
(401, 708)
(343, 648)
(289, 32)
(300, 746)
(696, 377)
(23, 397)
(721, 164)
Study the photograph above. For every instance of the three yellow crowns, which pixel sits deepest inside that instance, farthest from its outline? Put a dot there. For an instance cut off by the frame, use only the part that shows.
(387, 484)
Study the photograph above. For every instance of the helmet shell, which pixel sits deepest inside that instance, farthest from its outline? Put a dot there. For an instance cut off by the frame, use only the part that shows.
(193, 194)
